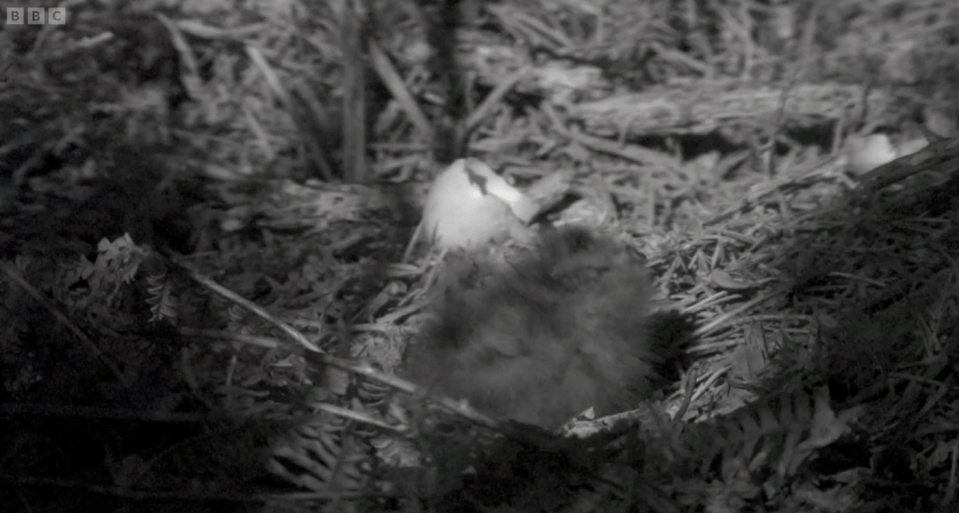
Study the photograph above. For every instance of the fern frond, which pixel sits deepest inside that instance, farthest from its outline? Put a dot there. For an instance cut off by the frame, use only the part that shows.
(164, 303)
(321, 456)
(762, 446)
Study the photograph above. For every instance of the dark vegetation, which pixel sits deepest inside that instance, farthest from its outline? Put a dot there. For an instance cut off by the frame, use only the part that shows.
(169, 166)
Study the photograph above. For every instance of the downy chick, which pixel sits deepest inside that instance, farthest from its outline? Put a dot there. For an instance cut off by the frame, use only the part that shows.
(556, 329)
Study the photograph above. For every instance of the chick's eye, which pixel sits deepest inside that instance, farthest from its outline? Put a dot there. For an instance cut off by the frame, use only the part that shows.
(450, 334)
(579, 241)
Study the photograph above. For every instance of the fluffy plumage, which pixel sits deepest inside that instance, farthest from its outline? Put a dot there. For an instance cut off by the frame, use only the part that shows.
(544, 334)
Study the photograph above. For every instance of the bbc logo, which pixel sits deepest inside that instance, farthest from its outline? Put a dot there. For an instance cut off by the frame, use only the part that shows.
(36, 15)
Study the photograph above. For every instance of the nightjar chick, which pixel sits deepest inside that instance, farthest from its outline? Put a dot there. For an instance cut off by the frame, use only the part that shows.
(544, 335)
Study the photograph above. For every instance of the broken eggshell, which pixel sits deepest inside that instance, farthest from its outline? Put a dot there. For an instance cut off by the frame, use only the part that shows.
(469, 205)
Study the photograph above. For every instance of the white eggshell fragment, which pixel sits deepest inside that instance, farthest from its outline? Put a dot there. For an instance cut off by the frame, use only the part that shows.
(468, 206)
